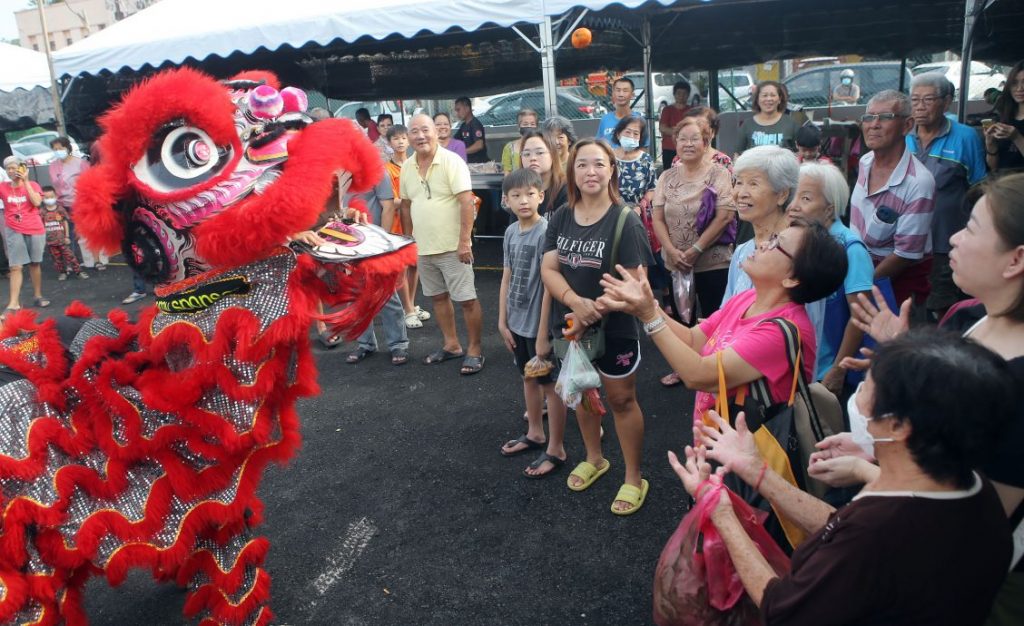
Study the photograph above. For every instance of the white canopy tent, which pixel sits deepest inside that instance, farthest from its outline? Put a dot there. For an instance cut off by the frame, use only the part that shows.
(24, 88)
(175, 30)
(23, 68)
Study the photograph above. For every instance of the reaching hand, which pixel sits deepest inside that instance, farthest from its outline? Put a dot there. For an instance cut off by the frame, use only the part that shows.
(842, 471)
(879, 321)
(852, 364)
(629, 295)
(694, 472)
(836, 446)
(732, 447)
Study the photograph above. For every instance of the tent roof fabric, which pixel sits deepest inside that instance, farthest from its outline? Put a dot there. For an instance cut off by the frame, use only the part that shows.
(23, 68)
(169, 31)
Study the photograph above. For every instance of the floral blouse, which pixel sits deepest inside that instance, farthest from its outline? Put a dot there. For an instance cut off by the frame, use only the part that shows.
(636, 178)
(681, 201)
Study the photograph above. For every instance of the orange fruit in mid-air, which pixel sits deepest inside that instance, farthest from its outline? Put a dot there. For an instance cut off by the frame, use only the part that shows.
(581, 38)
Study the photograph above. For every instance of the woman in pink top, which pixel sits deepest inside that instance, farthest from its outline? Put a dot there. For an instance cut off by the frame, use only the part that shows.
(24, 234)
(444, 135)
(803, 263)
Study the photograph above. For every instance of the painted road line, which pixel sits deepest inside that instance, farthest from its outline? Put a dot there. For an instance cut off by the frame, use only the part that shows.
(353, 543)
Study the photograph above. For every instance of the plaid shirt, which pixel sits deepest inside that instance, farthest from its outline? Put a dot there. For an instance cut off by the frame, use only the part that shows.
(910, 194)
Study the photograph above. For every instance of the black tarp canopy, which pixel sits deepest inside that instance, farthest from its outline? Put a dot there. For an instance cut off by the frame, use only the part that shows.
(685, 35)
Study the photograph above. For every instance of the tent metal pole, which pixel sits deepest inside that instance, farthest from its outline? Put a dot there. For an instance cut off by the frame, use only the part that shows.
(972, 9)
(58, 111)
(547, 66)
(645, 36)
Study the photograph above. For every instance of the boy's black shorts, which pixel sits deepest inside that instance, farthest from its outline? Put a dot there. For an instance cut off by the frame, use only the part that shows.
(526, 349)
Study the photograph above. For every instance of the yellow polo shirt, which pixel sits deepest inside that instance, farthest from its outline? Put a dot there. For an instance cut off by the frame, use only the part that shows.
(435, 208)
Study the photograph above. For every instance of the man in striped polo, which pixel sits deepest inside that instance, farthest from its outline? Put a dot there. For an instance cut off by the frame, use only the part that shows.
(893, 200)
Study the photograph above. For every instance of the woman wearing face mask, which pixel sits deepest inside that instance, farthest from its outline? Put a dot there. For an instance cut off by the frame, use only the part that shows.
(527, 121)
(822, 195)
(65, 169)
(537, 153)
(577, 251)
(444, 135)
(925, 541)
(770, 125)
(987, 259)
(636, 167)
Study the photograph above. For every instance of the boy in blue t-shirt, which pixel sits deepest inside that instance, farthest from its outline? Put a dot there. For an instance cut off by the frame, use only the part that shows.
(523, 311)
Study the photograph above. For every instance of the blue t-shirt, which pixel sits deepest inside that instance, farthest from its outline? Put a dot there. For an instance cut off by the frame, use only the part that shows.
(956, 159)
(607, 126)
(860, 276)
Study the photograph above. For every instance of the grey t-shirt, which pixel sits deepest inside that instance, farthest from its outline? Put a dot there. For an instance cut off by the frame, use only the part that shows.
(523, 253)
(781, 133)
(372, 198)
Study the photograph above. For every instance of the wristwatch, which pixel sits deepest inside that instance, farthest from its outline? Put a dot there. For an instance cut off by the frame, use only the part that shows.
(652, 325)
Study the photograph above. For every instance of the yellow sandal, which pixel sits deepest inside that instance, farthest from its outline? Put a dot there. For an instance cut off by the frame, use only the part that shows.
(631, 495)
(588, 474)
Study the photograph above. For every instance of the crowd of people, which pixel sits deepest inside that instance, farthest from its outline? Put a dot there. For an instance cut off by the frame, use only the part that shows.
(784, 255)
(793, 274)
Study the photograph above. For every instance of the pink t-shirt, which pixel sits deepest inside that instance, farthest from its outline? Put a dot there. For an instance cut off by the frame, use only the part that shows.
(20, 214)
(762, 345)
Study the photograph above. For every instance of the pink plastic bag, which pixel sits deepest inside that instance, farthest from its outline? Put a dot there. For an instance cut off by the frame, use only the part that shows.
(695, 583)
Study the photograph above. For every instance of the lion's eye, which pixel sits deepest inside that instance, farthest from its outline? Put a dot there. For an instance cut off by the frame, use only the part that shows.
(180, 157)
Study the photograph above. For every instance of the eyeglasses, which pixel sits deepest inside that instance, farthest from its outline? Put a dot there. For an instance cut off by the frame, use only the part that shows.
(867, 118)
(775, 244)
(426, 185)
(925, 100)
(529, 154)
(690, 141)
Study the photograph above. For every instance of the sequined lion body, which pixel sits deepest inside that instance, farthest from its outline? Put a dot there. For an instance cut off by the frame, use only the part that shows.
(141, 443)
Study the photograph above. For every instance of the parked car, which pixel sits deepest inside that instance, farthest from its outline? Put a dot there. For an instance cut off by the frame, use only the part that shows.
(982, 78)
(376, 107)
(37, 145)
(734, 90)
(503, 110)
(813, 87)
(661, 86)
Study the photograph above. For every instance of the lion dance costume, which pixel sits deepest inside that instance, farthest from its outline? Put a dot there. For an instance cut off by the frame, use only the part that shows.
(141, 443)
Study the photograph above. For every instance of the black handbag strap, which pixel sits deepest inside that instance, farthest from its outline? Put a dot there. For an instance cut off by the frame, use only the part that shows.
(794, 351)
(620, 226)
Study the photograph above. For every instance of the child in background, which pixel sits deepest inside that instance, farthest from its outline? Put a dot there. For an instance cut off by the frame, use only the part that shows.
(523, 310)
(58, 237)
(398, 138)
(808, 145)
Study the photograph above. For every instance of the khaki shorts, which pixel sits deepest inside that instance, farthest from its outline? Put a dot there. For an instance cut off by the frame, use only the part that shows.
(445, 273)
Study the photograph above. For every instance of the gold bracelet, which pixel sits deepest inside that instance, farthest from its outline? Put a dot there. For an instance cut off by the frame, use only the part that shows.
(567, 290)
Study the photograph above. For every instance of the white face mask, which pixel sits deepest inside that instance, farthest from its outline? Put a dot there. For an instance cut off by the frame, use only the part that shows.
(60, 154)
(859, 426)
(50, 201)
(629, 143)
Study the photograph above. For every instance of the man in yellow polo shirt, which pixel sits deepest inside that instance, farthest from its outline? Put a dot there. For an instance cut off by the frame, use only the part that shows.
(437, 208)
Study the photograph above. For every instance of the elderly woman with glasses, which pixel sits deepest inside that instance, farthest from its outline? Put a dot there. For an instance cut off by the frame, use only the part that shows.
(926, 540)
(741, 343)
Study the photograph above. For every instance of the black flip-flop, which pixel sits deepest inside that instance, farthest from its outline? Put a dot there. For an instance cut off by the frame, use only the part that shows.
(556, 464)
(399, 356)
(440, 356)
(357, 355)
(530, 445)
(472, 365)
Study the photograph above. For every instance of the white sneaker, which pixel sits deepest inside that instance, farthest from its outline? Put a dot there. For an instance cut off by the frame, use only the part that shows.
(62, 276)
(134, 296)
(412, 320)
(422, 315)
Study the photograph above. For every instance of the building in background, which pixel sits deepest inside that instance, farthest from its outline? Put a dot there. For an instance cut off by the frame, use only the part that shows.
(72, 20)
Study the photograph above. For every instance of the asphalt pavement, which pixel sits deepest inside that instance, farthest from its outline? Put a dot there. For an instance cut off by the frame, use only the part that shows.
(399, 508)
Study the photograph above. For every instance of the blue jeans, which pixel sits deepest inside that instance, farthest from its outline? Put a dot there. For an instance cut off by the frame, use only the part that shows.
(138, 283)
(392, 318)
